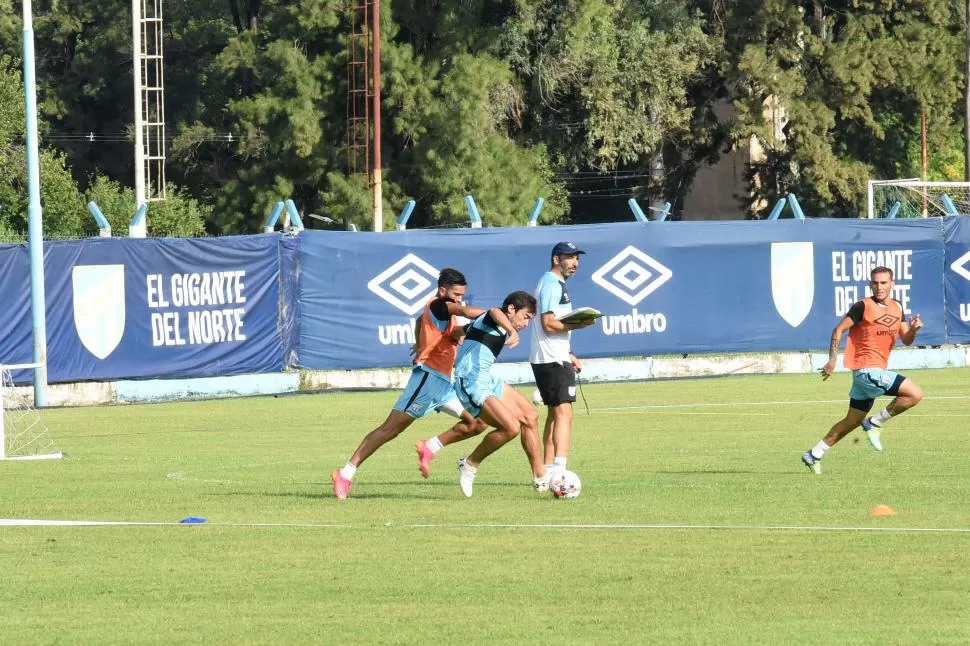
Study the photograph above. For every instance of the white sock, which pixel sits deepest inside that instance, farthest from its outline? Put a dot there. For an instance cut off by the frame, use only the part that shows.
(434, 445)
(882, 417)
(819, 450)
(558, 466)
(549, 469)
(348, 471)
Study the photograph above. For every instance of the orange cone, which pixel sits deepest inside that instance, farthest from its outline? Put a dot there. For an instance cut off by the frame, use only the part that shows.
(882, 510)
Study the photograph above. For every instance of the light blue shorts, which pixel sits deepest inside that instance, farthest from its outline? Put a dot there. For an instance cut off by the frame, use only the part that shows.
(472, 393)
(869, 383)
(426, 392)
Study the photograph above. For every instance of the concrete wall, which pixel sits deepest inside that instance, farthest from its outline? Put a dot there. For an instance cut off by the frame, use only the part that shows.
(595, 371)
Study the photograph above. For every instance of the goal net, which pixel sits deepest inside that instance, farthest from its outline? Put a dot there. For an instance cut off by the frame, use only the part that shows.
(23, 435)
(911, 198)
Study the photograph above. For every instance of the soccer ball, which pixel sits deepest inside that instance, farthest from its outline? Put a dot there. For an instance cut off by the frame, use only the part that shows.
(566, 485)
(537, 397)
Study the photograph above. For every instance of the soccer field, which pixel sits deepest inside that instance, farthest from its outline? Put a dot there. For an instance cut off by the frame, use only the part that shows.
(697, 524)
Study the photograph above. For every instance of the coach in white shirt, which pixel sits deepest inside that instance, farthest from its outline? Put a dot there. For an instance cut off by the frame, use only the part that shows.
(553, 362)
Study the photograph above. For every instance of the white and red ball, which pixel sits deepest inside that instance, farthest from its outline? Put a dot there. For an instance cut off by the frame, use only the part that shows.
(566, 485)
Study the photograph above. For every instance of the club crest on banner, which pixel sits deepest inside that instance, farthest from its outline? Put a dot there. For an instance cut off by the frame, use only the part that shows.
(99, 306)
(793, 280)
(407, 284)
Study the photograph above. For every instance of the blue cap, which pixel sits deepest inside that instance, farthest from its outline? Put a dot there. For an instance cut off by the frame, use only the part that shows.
(566, 249)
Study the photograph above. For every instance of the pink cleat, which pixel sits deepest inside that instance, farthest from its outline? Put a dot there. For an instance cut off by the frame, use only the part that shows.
(425, 456)
(341, 485)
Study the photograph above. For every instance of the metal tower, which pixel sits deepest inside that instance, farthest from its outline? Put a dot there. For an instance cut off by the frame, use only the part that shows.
(358, 88)
(364, 98)
(149, 105)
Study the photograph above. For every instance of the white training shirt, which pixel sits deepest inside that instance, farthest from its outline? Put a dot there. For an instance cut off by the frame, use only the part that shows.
(553, 297)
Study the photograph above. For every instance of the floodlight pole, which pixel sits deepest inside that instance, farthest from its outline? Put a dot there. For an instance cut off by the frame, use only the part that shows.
(140, 230)
(966, 92)
(35, 221)
(378, 200)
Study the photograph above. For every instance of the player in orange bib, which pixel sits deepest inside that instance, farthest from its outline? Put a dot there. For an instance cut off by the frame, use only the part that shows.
(429, 390)
(873, 324)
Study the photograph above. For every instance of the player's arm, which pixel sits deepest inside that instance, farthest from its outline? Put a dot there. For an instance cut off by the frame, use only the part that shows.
(853, 316)
(552, 325)
(549, 294)
(907, 331)
(416, 348)
(512, 337)
(577, 364)
(461, 309)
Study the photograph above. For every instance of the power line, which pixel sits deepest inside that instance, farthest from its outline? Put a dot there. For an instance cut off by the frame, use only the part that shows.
(124, 137)
(616, 192)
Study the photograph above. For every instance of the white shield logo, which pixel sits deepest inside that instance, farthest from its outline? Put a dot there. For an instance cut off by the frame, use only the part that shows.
(99, 307)
(793, 280)
(407, 284)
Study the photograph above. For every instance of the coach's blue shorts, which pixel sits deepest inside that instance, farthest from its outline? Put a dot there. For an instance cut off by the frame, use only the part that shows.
(426, 392)
(869, 383)
(472, 393)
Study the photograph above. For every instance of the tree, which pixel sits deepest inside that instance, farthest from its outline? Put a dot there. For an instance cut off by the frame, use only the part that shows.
(179, 216)
(60, 198)
(843, 71)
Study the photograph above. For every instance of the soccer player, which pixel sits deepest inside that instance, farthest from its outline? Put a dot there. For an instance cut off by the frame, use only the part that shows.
(429, 388)
(486, 397)
(873, 324)
(553, 362)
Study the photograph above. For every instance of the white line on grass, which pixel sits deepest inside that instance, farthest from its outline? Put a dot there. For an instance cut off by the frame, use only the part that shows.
(725, 413)
(728, 404)
(792, 528)
(30, 522)
(19, 522)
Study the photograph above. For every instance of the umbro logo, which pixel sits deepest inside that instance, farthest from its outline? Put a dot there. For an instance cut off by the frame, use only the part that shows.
(887, 320)
(407, 284)
(960, 266)
(631, 275)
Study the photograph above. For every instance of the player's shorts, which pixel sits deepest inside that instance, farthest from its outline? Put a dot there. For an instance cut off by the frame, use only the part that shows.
(426, 392)
(453, 406)
(556, 382)
(869, 383)
(472, 393)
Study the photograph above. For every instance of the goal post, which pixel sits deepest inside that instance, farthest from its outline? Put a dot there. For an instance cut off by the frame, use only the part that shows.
(23, 435)
(912, 198)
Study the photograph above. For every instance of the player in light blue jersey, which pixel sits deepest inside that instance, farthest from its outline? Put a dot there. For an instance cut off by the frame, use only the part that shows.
(486, 397)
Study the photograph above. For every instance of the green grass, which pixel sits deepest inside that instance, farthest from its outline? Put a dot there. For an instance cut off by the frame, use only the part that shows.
(367, 572)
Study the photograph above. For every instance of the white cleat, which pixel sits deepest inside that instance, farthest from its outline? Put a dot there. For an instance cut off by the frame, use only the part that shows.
(466, 476)
(541, 485)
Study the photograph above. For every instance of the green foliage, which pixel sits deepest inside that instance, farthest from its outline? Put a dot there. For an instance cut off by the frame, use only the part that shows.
(843, 71)
(60, 200)
(509, 100)
(349, 200)
(178, 216)
(463, 150)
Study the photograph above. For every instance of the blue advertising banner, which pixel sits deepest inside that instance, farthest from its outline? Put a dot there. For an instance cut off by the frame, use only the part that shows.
(153, 307)
(139, 308)
(663, 287)
(16, 339)
(956, 277)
